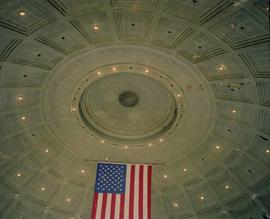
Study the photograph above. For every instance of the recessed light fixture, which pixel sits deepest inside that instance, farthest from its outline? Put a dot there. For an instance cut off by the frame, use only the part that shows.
(102, 141)
(46, 150)
(217, 147)
(23, 117)
(82, 171)
(267, 151)
(202, 197)
(95, 28)
(68, 199)
(221, 67)
(175, 205)
(43, 189)
(165, 176)
(161, 140)
(149, 144)
(73, 109)
(19, 98)
(146, 71)
(185, 169)
(234, 111)
(233, 26)
(125, 146)
(114, 69)
(227, 187)
(178, 95)
(99, 73)
(22, 13)
(19, 174)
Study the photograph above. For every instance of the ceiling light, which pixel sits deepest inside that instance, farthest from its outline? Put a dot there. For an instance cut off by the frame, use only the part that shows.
(165, 176)
(161, 140)
(23, 117)
(125, 146)
(221, 67)
(99, 73)
(19, 174)
(114, 69)
(68, 199)
(149, 144)
(146, 71)
(106, 158)
(175, 205)
(46, 150)
(95, 28)
(82, 171)
(22, 13)
(233, 26)
(43, 189)
(202, 197)
(102, 141)
(19, 98)
(185, 169)
(234, 111)
(217, 147)
(178, 95)
(73, 109)
(227, 187)
(267, 151)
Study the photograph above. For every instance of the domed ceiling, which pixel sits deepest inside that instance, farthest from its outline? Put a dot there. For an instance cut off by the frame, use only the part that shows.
(181, 84)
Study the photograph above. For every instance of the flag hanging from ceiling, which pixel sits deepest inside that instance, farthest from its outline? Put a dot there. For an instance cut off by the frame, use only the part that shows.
(122, 191)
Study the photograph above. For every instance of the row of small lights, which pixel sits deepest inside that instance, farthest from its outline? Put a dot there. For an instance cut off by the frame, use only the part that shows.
(95, 27)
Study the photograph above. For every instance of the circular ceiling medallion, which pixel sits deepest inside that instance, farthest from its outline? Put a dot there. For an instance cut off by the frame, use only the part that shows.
(128, 107)
(128, 98)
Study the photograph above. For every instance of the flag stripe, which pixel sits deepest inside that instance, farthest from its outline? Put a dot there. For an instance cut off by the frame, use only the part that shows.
(117, 206)
(99, 205)
(136, 192)
(149, 181)
(131, 192)
(103, 205)
(94, 208)
(140, 200)
(122, 206)
(113, 206)
(127, 191)
(108, 206)
(145, 191)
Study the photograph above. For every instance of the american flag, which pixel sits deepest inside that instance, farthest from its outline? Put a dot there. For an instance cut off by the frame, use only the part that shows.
(122, 191)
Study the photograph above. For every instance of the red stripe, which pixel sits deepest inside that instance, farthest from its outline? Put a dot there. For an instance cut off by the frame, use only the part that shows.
(94, 207)
(122, 206)
(149, 182)
(141, 192)
(103, 206)
(113, 206)
(131, 192)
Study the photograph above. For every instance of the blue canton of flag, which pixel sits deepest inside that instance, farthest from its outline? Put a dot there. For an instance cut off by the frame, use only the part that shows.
(111, 178)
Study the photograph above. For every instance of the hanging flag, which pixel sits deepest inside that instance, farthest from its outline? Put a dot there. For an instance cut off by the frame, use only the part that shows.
(122, 191)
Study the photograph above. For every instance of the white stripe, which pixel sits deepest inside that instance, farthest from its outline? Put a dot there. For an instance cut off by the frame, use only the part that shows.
(136, 192)
(117, 207)
(108, 206)
(145, 190)
(126, 213)
(99, 206)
